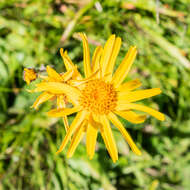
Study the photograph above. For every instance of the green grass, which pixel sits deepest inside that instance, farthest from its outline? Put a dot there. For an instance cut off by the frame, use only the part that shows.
(30, 36)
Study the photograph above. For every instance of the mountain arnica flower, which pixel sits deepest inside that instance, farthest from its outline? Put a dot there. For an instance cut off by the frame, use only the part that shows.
(100, 97)
(53, 76)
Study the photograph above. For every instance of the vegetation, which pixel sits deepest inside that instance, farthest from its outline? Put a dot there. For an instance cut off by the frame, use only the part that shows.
(31, 34)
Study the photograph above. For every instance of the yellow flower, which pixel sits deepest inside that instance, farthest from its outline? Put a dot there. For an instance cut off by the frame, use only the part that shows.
(53, 76)
(29, 75)
(102, 98)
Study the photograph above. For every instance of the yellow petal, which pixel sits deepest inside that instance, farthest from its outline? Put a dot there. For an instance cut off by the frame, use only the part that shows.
(61, 101)
(45, 96)
(124, 67)
(108, 138)
(60, 88)
(106, 142)
(45, 78)
(61, 104)
(154, 113)
(86, 55)
(76, 140)
(91, 136)
(75, 124)
(68, 75)
(78, 83)
(113, 118)
(63, 111)
(131, 85)
(107, 51)
(111, 63)
(96, 58)
(66, 123)
(68, 63)
(53, 74)
(131, 116)
(126, 97)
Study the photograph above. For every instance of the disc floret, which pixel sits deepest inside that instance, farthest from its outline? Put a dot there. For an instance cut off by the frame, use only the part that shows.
(98, 97)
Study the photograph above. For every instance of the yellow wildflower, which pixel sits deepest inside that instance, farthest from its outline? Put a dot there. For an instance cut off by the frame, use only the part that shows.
(53, 76)
(102, 98)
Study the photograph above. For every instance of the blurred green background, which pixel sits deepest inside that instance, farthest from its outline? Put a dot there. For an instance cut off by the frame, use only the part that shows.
(31, 33)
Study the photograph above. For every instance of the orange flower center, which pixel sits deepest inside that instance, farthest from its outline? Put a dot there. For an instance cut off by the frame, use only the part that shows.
(98, 97)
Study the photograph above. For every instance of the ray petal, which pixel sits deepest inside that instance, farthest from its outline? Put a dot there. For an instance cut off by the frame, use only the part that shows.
(61, 104)
(68, 75)
(108, 138)
(124, 67)
(67, 61)
(69, 64)
(111, 63)
(61, 101)
(106, 142)
(91, 136)
(63, 111)
(46, 78)
(80, 117)
(45, 96)
(113, 118)
(107, 51)
(126, 97)
(60, 88)
(86, 55)
(53, 74)
(131, 116)
(96, 58)
(66, 123)
(128, 86)
(78, 135)
(158, 115)
(77, 83)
